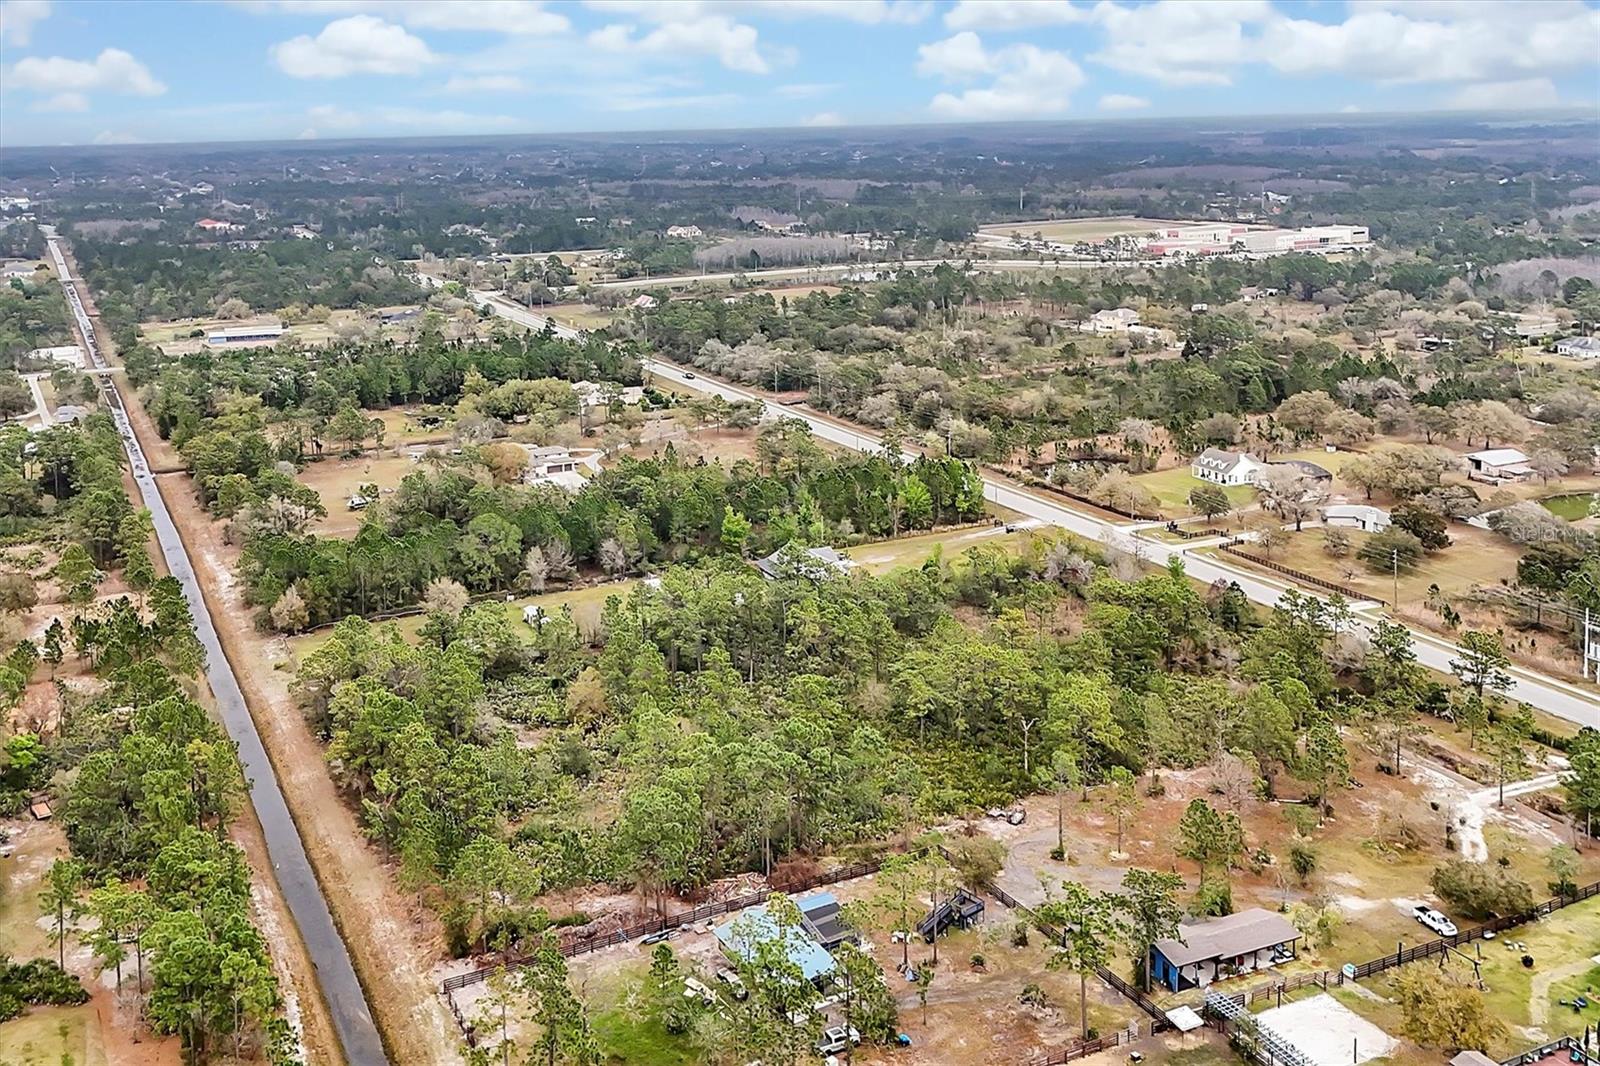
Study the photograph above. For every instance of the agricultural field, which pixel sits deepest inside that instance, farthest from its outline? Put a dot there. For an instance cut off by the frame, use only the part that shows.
(578, 315)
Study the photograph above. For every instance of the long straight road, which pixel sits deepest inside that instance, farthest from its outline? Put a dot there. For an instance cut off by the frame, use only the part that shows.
(1555, 697)
(351, 1019)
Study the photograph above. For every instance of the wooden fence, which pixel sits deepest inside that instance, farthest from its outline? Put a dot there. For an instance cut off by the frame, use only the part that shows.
(1402, 956)
(1299, 575)
(1123, 988)
(1082, 1048)
(584, 945)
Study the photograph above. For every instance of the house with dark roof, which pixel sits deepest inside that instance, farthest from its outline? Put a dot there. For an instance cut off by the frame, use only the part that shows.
(1204, 952)
(1306, 468)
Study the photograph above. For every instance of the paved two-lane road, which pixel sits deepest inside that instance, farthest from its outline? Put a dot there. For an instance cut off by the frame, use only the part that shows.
(1558, 698)
(351, 1019)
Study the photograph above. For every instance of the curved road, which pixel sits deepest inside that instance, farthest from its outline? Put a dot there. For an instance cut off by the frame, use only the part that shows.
(351, 1019)
(1555, 697)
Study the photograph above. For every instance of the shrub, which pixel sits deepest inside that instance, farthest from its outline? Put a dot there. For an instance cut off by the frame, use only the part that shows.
(1478, 890)
(37, 983)
(1381, 551)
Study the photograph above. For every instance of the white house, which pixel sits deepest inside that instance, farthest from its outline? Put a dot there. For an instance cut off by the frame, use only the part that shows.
(593, 394)
(1360, 516)
(553, 466)
(688, 233)
(1227, 468)
(643, 303)
(1110, 320)
(814, 564)
(62, 355)
(1498, 464)
(1579, 347)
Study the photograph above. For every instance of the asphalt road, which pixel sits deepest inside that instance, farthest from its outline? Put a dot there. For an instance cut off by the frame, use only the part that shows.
(351, 1019)
(1555, 697)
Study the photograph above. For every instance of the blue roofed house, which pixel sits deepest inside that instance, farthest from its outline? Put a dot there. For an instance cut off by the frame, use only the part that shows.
(822, 928)
(742, 936)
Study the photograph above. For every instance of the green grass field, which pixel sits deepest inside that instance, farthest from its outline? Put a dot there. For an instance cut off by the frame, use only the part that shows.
(49, 1036)
(1565, 940)
(1172, 488)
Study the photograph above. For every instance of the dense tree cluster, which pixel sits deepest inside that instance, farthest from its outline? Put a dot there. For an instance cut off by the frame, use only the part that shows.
(65, 479)
(457, 523)
(33, 314)
(726, 722)
(144, 279)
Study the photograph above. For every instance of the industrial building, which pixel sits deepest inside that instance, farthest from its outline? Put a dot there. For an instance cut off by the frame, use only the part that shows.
(245, 335)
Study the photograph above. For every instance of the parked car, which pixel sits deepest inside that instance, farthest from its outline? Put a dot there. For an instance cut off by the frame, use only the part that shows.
(837, 1038)
(658, 937)
(734, 982)
(1435, 921)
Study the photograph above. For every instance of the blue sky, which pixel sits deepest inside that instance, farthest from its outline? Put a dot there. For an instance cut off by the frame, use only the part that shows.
(85, 71)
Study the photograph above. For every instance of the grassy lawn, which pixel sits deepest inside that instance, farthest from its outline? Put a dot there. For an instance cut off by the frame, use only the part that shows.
(47, 1036)
(1567, 937)
(880, 557)
(1476, 557)
(336, 481)
(579, 316)
(1172, 488)
(624, 1032)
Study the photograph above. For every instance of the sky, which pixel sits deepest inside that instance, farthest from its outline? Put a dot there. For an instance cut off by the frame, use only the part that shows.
(86, 71)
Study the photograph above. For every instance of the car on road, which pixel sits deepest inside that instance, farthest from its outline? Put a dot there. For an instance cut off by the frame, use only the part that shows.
(1434, 920)
(659, 937)
(837, 1038)
(688, 376)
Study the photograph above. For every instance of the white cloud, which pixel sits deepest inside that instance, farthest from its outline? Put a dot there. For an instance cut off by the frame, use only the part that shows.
(484, 83)
(70, 82)
(511, 17)
(1122, 102)
(955, 58)
(733, 44)
(63, 102)
(1025, 81)
(1516, 95)
(360, 44)
(806, 90)
(330, 116)
(865, 12)
(1179, 43)
(115, 137)
(631, 101)
(19, 17)
(823, 118)
(1381, 41)
(1450, 42)
(1013, 14)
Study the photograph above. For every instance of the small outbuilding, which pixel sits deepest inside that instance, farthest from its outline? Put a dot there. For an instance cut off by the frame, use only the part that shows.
(1495, 465)
(1360, 516)
(1204, 952)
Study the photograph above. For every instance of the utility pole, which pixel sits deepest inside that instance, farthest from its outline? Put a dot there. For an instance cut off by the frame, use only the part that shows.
(1394, 554)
